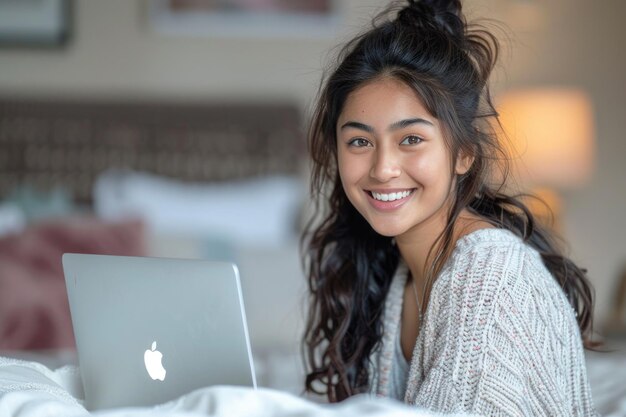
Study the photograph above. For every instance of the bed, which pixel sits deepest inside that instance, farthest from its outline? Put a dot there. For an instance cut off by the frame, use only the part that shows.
(142, 178)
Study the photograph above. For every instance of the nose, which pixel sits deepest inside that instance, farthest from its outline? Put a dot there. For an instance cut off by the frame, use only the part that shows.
(386, 165)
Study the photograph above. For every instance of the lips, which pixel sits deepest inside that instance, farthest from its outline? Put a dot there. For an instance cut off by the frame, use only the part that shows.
(391, 199)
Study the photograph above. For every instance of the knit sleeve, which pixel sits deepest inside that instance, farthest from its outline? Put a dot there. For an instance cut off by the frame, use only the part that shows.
(501, 340)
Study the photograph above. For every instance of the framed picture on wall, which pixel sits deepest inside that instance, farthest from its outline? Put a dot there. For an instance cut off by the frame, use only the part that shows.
(34, 23)
(245, 18)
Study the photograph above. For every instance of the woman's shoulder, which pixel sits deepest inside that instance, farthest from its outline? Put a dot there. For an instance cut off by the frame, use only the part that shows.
(494, 273)
(491, 245)
(478, 239)
(491, 262)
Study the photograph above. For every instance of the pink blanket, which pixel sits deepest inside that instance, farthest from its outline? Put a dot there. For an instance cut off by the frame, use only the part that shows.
(34, 313)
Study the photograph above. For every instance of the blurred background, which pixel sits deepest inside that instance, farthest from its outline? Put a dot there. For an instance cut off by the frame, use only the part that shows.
(177, 128)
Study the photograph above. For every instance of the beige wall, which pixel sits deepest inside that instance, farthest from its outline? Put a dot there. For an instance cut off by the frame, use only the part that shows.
(116, 52)
(565, 42)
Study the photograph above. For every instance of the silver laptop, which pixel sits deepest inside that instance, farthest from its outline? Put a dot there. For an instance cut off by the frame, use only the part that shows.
(149, 330)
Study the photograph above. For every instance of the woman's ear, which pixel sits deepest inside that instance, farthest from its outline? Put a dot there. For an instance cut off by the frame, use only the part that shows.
(463, 163)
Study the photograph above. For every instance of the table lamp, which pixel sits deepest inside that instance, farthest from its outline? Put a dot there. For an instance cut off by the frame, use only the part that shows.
(551, 140)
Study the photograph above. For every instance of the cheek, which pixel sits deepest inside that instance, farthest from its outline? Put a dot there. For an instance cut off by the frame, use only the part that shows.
(344, 175)
(430, 170)
(342, 168)
(350, 169)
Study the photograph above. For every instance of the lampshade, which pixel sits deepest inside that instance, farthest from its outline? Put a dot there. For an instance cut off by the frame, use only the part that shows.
(551, 135)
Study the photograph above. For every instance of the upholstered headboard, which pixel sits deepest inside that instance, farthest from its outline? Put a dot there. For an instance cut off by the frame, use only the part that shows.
(46, 143)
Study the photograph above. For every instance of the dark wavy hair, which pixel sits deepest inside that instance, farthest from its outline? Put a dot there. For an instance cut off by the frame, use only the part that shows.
(428, 46)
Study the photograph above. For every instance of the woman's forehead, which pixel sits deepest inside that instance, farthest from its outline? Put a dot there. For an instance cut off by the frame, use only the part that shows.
(383, 100)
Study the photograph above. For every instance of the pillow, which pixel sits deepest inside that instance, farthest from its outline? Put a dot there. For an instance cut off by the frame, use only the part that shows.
(259, 211)
(34, 312)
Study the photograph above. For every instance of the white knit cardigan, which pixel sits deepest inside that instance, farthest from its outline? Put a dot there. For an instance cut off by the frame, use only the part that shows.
(499, 337)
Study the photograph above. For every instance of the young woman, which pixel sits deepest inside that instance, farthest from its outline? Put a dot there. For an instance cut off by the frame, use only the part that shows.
(429, 284)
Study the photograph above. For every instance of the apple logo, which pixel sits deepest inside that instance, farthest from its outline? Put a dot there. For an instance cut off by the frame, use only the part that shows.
(152, 359)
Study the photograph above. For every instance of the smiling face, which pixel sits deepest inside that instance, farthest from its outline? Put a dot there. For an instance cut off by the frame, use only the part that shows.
(393, 162)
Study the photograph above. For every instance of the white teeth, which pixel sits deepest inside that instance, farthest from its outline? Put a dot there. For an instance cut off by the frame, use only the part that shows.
(391, 196)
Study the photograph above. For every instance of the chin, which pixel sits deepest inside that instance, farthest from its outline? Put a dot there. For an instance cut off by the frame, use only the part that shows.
(387, 230)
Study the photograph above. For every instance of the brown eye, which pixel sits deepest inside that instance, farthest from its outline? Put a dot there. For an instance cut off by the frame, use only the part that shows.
(359, 143)
(411, 140)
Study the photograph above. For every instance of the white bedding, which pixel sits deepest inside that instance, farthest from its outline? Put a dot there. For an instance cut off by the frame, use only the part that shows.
(29, 389)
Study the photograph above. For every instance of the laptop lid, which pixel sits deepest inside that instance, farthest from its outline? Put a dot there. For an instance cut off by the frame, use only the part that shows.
(149, 330)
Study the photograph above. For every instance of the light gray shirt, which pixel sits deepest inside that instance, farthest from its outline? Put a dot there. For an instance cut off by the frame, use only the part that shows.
(399, 372)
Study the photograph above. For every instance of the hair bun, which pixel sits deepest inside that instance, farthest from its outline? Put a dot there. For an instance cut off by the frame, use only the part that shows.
(435, 14)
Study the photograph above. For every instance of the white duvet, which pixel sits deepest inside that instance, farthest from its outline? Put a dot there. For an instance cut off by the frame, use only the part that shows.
(29, 389)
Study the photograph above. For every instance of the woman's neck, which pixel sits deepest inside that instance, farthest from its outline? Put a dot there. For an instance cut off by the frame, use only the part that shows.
(415, 244)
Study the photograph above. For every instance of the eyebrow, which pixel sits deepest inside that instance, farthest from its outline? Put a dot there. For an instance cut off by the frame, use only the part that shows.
(401, 124)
